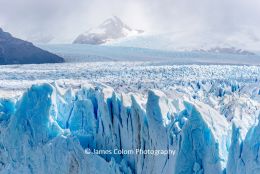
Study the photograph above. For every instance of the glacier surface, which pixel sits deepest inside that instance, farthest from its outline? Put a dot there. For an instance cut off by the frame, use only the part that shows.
(67, 119)
(50, 129)
(89, 53)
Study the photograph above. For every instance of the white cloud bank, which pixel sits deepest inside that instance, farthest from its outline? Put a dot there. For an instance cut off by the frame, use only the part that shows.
(63, 20)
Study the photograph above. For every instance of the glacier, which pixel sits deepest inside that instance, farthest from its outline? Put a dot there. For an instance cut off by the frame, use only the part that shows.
(55, 129)
(107, 53)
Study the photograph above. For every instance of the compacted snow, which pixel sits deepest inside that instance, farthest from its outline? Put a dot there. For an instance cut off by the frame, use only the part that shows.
(124, 76)
(129, 117)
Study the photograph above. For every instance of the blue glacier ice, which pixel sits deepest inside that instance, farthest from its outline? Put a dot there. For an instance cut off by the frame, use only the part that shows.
(54, 130)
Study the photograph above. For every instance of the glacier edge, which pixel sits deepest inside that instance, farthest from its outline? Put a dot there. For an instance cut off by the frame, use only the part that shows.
(51, 131)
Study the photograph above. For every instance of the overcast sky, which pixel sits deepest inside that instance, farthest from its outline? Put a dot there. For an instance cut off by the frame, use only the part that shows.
(63, 20)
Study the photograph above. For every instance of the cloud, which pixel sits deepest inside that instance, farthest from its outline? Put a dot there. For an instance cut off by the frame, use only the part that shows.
(63, 20)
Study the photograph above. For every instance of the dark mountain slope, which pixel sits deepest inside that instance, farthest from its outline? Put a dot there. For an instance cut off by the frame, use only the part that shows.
(17, 51)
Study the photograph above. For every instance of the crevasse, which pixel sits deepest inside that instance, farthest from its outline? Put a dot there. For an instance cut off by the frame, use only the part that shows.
(51, 130)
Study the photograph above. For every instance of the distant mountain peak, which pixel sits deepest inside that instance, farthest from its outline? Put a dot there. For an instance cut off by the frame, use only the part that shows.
(227, 50)
(113, 19)
(113, 23)
(111, 29)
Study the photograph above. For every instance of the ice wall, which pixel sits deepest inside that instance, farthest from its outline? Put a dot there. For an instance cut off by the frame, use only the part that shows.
(52, 130)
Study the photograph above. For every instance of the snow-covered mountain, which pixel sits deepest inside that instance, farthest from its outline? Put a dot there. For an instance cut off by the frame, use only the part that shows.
(110, 30)
(17, 51)
(227, 50)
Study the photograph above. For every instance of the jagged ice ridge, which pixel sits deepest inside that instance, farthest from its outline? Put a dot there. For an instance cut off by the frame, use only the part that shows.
(48, 130)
